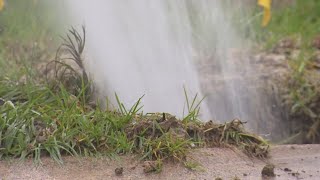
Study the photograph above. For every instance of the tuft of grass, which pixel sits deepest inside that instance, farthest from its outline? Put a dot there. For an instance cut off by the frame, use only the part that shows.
(192, 106)
(36, 120)
(68, 67)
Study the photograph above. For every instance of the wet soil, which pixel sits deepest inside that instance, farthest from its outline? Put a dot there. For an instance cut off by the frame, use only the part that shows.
(290, 161)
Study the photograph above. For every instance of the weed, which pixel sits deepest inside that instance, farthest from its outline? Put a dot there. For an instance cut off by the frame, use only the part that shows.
(71, 75)
(193, 107)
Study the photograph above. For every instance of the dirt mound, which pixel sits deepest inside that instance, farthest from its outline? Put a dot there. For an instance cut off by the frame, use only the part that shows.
(158, 130)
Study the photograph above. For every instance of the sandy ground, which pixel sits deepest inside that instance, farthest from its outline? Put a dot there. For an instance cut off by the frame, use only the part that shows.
(291, 161)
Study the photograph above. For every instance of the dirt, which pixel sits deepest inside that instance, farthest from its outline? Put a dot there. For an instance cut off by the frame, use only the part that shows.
(156, 128)
(303, 161)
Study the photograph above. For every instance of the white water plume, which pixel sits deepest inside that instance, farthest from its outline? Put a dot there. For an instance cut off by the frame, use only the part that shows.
(151, 47)
(140, 47)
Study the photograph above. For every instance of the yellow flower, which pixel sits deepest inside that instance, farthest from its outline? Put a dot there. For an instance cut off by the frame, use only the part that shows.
(266, 4)
(1, 4)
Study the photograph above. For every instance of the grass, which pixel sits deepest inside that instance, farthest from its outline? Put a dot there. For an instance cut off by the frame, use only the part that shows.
(38, 121)
(192, 106)
(42, 121)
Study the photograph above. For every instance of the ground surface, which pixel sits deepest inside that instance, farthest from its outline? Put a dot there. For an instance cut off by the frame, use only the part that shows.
(291, 161)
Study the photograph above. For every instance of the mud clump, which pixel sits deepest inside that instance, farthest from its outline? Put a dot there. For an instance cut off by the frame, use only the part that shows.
(268, 170)
(152, 128)
(119, 171)
(295, 174)
(287, 169)
(151, 166)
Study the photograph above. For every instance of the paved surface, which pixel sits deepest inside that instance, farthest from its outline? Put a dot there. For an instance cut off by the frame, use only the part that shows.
(291, 161)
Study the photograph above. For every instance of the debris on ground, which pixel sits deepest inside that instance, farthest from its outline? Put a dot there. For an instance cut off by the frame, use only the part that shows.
(295, 174)
(287, 169)
(152, 127)
(119, 171)
(151, 166)
(268, 170)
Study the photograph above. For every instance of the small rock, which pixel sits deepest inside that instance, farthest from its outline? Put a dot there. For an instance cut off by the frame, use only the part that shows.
(218, 178)
(295, 174)
(268, 170)
(119, 171)
(287, 169)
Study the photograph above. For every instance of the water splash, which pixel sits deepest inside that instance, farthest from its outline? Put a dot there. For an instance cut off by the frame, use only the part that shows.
(140, 47)
(150, 47)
